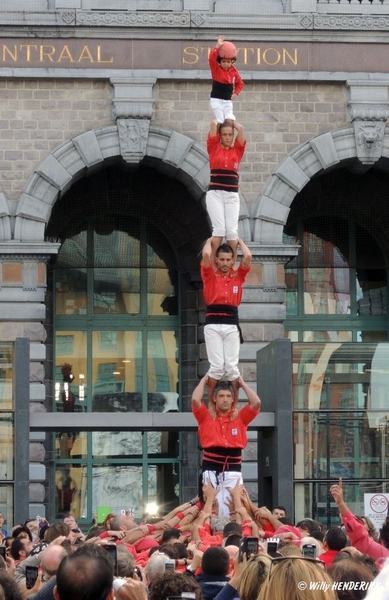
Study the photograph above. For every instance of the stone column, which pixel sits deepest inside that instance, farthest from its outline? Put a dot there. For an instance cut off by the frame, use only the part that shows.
(22, 309)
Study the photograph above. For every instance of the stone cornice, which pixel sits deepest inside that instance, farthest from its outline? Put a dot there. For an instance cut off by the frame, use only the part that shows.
(16, 250)
(278, 253)
(90, 23)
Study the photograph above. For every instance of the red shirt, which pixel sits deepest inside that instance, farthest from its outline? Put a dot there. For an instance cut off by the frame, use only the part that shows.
(223, 289)
(230, 75)
(224, 158)
(222, 432)
(328, 557)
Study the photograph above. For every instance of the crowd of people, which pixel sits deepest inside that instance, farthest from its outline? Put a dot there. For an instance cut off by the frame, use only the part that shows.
(197, 552)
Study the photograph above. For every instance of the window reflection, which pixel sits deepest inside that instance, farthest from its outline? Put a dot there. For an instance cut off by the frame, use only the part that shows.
(341, 418)
(71, 490)
(314, 499)
(6, 376)
(130, 444)
(6, 447)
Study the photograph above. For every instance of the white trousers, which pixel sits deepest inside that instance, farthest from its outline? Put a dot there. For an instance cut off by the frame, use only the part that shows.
(224, 481)
(223, 344)
(222, 109)
(223, 209)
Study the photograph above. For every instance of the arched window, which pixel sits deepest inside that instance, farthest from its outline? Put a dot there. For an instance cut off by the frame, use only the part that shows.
(337, 287)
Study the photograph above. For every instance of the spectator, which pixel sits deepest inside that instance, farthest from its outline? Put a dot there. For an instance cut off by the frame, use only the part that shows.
(356, 530)
(173, 584)
(334, 540)
(3, 531)
(284, 575)
(125, 561)
(351, 570)
(371, 530)
(87, 574)
(279, 512)
(21, 531)
(155, 566)
(10, 587)
(308, 526)
(20, 549)
(253, 576)
(215, 565)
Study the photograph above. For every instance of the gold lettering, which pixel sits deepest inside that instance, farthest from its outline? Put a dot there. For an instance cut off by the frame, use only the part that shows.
(43, 53)
(28, 47)
(192, 53)
(6, 51)
(99, 59)
(85, 55)
(286, 54)
(245, 54)
(206, 49)
(267, 60)
(65, 54)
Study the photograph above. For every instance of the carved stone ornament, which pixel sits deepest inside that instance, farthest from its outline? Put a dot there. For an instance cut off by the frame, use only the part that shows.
(133, 135)
(357, 22)
(368, 108)
(68, 16)
(306, 21)
(128, 19)
(198, 19)
(369, 137)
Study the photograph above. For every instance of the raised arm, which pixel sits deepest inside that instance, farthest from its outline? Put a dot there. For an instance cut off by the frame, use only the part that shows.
(252, 397)
(246, 258)
(206, 255)
(213, 128)
(198, 392)
(240, 135)
(337, 494)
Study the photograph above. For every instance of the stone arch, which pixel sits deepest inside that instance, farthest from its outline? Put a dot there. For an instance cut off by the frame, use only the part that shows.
(324, 151)
(172, 153)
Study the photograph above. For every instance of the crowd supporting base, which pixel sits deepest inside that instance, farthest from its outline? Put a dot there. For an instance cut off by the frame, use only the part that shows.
(198, 551)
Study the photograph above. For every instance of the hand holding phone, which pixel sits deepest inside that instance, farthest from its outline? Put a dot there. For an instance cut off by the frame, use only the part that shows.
(309, 550)
(31, 576)
(248, 547)
(272, 546)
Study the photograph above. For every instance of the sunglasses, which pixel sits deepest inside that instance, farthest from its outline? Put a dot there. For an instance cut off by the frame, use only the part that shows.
(319, 563)
(188, 595)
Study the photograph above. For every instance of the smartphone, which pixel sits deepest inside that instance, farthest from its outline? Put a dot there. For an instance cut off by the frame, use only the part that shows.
(112, 550)
(31, 576)
(3, 552)
(272, 546)
(170, 564)
(309, 550)
(248, 546)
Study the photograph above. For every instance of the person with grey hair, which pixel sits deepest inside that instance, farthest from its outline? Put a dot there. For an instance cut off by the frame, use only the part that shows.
(155, 566)
(125, 561)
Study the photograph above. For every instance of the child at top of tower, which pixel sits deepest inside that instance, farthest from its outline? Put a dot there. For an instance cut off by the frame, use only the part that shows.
(226, 80)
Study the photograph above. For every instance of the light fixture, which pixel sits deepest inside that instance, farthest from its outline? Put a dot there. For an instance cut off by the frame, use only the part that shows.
(152, 508)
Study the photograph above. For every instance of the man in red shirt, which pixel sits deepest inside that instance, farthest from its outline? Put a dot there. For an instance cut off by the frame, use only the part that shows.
(222, 199)
(224, 437)
(222, 289)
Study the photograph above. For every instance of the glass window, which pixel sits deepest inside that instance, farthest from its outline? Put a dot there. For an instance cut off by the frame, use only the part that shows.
(6, 446)
(6, 376)
(339, 272)
(314, 499)
(118, 353)
(341, 418)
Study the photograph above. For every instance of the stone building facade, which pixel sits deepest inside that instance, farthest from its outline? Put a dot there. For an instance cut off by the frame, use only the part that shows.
(86, 87)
